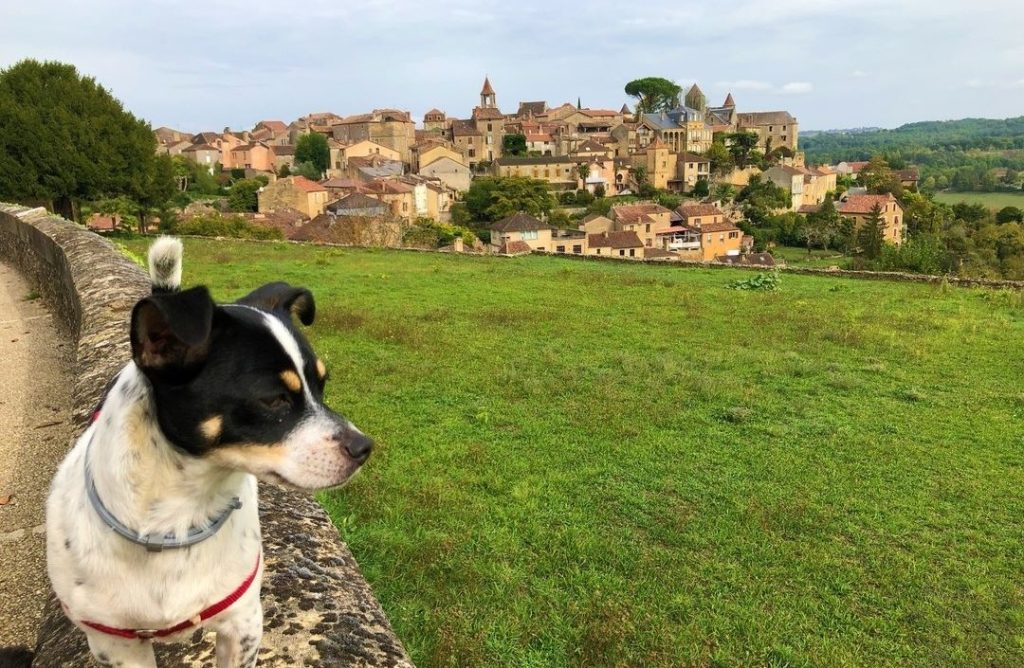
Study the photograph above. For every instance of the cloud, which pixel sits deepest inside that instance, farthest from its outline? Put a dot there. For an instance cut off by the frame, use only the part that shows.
(797, 88)
(858, 74)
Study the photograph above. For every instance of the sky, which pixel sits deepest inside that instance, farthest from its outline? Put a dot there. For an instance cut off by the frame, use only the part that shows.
(832, 63)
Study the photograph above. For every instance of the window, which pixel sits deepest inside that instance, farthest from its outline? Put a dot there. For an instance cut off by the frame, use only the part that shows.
(489, 140)
(709, 238)
(622, 252)
(559, 249)
(733, 235)
(632, 252)
(696, 221)
(536, 172)
(648, 243)
(598, 251)
(489, 128)
(547, 172)
(472, 152)
(530, 236)
(577, 249)
(647, 228)
(337, 164)
(721, 237)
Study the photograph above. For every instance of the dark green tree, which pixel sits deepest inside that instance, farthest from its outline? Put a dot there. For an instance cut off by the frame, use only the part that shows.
(513, 144)
(654, 94)
(243, 195)
(313, 148)
(65, 139)
(307, 169)
(821, 227)
(879, 178)
(492, 198)
(702, 188)
(721, 158)
(871, 235)
(741, 146)
(1009, 214)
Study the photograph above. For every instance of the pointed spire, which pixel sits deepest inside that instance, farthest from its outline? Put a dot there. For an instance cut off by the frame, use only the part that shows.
(487, 89)
(579, 103)
(625, 110)
(729, 102)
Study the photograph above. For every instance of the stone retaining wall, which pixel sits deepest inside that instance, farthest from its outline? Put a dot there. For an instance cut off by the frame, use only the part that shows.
(319, 611)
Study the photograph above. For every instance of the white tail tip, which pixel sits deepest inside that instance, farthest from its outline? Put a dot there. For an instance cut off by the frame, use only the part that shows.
(165, 264)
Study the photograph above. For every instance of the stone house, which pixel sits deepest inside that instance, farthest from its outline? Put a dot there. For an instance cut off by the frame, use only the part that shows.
(521, 228)
(646, 220)
(342, 153)
(616, 244)
(453, 173)
(207, 155)
(389, 128)
(859, 208)
(357, 204)
(773, 129)
(294, 192)
(284, 156)
(256, 156)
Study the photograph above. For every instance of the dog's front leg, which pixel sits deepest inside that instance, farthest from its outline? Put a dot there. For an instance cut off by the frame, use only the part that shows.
(238, 638)
(109, 651)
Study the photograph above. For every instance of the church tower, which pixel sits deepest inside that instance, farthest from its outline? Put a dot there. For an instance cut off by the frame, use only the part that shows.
(488, 99)
(695, 99)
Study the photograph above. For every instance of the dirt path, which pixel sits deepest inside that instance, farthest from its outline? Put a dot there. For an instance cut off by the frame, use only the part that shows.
(35, 431)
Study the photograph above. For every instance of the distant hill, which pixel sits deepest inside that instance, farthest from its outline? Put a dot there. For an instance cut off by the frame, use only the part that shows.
(969, 133)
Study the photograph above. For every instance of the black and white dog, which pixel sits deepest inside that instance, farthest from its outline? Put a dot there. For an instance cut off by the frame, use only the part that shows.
(152, 526)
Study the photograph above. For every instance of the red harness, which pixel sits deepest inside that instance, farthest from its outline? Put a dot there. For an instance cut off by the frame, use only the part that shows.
(212, 611)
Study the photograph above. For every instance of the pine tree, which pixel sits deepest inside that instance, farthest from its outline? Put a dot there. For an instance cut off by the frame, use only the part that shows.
(871, 236)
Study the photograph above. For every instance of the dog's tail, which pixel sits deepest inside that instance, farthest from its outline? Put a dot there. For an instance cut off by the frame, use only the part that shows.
(165, 264)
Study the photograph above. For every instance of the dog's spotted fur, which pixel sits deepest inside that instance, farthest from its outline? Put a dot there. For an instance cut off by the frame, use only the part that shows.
(214, 398)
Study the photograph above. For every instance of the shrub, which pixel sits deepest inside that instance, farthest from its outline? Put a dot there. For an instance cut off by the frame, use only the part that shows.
(769, 282)
(599, 191)
(428, 233)
(568, 198)
(217, 225)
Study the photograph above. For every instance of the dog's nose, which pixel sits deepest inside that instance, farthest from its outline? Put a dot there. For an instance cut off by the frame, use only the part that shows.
(357, 445)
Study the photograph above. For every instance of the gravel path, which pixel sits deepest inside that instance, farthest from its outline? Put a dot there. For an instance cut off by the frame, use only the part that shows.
(35, 431)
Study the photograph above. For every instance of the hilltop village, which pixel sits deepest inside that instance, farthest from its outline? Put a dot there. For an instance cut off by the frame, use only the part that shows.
(664, 180)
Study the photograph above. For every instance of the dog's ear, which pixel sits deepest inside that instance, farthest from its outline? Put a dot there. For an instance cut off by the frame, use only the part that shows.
(172, 330)
(283, 297)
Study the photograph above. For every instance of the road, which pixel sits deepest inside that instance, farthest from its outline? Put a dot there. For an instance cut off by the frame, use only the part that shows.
(36, 363)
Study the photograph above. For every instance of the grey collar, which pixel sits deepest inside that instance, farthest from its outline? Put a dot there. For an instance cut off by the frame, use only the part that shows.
(153, 542)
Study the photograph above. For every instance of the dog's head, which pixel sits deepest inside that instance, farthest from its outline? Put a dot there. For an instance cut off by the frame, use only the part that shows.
(239, 383)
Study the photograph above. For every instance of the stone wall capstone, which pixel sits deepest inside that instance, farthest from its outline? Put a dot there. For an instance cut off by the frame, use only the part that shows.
(318, 609)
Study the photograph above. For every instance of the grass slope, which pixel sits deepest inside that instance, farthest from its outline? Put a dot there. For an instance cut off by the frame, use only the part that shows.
(994, 201)
(608, 464)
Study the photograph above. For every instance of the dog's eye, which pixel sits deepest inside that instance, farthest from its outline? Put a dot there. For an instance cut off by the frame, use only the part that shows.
(276, 403)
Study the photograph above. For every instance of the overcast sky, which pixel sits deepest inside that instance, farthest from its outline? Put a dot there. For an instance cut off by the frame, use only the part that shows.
(832, 63)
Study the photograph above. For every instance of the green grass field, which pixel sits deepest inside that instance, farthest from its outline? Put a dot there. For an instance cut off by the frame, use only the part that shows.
(798, 257)
(597, 464)
(994, 201)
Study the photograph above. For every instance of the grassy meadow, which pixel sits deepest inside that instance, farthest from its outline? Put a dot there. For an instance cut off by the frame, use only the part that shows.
(994, 201)
(603, 464)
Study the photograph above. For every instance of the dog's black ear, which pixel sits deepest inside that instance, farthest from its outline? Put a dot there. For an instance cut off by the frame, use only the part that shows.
(283, 297)
(172, 330)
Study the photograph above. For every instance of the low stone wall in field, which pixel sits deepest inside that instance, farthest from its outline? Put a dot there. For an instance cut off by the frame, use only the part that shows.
(319, 611)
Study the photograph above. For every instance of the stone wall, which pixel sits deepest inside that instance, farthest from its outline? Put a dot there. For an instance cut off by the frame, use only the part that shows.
(319, 611)
(959, 281)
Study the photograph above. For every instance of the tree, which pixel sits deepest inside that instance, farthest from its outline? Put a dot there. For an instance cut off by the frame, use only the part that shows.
(308, 170)
(513, 144)
(243, 195)
(313, 148)
(654, 94)
(284, 171)
(724, 192)
(871, 235)
(599, 190)
(492, 198)
(583, 169)
(879, 179)
(822, 226)
(66, 139)
(741, 145)
(721, 158)
(760, 198)
(1009, 214)
(639, 174)
(702, 188)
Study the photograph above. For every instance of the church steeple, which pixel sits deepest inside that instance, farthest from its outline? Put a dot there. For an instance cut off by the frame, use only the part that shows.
(488, 99)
